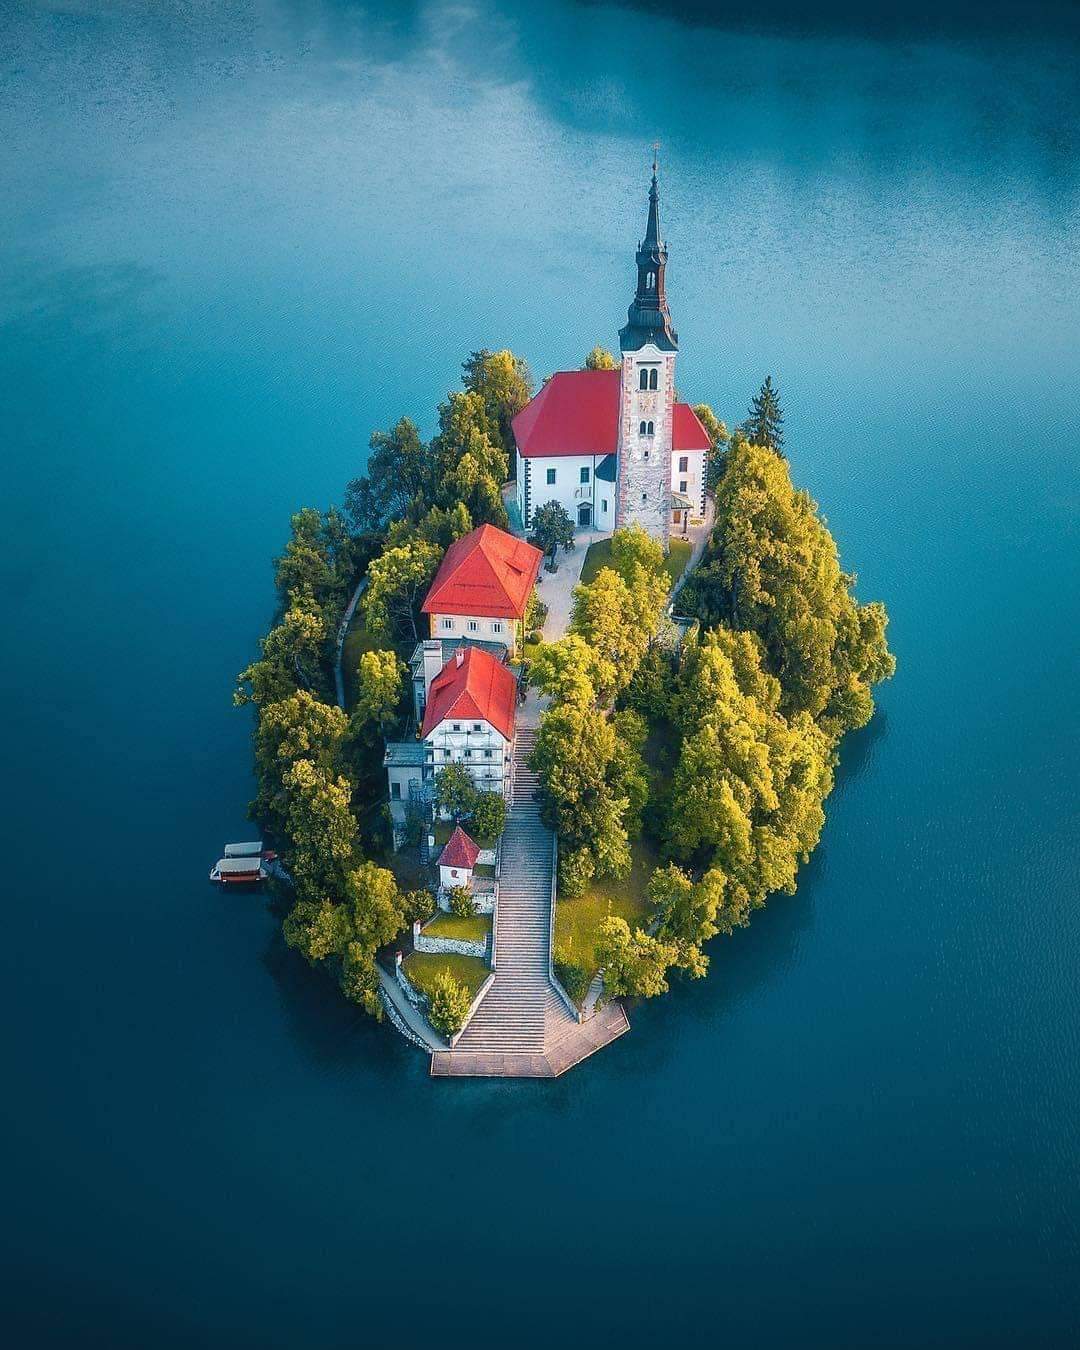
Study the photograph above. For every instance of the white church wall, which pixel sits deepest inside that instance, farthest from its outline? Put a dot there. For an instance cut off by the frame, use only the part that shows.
(535, 488)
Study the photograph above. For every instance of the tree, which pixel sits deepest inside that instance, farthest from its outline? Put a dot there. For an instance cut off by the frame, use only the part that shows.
(292, 653)
(765, 424)
(299, 726)
(455, 792)
(553, 527)
(567, 671)
(319, 827)
(470, 464)
(397, 582)
(600, 359)
(617, 622)
(398, 477)
(489, 815)
(772, 567)
(633, 547)
(439, 526)
(633, 963)
(504, 383)
(380, 681)
(449, 1004)
(461, 902)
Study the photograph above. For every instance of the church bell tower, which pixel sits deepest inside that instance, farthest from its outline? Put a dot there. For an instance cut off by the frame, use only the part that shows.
(647, 394)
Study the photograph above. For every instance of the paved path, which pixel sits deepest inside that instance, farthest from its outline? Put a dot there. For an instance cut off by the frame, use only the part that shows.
(522, 1010)
(556, 588)
(343, 628)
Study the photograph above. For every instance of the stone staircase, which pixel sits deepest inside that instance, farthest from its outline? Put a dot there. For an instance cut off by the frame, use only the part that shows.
(521, 1011)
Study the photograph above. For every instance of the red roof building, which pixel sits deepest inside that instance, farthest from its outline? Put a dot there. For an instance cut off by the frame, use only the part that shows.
(472, 686)
(488, 574)
(460, 851)
(577, 413)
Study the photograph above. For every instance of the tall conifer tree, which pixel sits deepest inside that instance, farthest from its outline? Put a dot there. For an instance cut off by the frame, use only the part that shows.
(765, 425)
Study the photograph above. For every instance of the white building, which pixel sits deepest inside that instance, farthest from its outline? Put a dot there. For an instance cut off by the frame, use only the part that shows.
(614, 447)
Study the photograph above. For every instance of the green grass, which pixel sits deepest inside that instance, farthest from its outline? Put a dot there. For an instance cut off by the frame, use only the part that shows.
(424, 968)
(599, 555)
(472, 928)
(577, 922)
(677, 558)
(484, 870)
(357, 641)
(445, 828)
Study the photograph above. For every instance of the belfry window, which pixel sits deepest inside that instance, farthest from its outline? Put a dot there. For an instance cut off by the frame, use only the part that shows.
(649, 429)
(652, 378)
(643, 379)
(650, 281)
(641, 428)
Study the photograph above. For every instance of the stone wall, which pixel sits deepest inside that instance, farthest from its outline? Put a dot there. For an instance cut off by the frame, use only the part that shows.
(460, 946)
(413, 995)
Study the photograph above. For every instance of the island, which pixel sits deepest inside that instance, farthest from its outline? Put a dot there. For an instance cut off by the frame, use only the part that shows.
(554, 700)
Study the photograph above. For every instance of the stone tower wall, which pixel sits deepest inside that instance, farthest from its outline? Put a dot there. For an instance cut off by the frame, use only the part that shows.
(644, 486)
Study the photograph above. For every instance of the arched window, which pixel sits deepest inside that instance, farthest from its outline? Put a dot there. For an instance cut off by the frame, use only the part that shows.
(643, 380)
(650, 281)
(648, 429)
(652, 378)
(641, 428)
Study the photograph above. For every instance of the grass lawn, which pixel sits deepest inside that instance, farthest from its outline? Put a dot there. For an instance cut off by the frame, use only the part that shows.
(424, 968)
(578, 921)
(599, 555)
(472, 928)
(445, 828)
(357, 641)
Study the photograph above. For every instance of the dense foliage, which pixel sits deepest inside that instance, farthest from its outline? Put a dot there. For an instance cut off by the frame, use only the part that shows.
(319, 772)
(752, 706)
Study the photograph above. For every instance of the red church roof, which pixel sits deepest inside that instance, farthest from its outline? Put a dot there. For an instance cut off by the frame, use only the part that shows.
(488, 573)
(577, 413)
(472, 686)
(460, 850)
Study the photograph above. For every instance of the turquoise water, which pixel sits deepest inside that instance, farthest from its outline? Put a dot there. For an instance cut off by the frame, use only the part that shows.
(233, 240)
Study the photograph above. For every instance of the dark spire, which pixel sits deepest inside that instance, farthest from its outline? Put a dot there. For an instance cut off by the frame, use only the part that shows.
(648, 319)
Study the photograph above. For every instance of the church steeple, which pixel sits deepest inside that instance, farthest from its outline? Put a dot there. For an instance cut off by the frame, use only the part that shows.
(648, 319)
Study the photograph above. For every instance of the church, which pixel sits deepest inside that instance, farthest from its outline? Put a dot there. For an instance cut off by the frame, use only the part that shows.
(613, 446)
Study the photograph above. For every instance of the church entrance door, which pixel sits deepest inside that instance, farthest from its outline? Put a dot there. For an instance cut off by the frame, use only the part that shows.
(583, 513)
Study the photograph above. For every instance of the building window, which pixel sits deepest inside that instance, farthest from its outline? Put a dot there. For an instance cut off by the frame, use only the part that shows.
(684, 463)
(643, 379)
(650, 281)
(649, 431)
(584, 475)
(468, 753)
(652, 378)
(496, 626)
(603, 503)
(456, 726)
(682, 487)
(453, 871)
(641, 429)
(644, 497)
(645, 456)
(477, 726)
(395, 791)
(473, 625)
(487, 754)
(448, 623)
(550, 477)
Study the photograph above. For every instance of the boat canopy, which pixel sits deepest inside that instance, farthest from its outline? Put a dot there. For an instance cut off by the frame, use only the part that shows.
(238, 867)
(244, 850)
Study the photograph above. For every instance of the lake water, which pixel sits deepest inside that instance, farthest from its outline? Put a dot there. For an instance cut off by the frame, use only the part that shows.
(236, 238)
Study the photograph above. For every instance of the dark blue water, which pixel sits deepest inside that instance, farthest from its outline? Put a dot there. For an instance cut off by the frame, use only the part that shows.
(233, 240)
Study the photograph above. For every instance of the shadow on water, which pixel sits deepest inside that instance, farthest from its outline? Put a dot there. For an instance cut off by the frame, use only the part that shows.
(857, 751)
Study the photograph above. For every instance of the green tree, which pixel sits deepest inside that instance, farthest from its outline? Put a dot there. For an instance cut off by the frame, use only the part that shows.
(398, 478)
(504, 383)
(440, 525)
(455, 791)
(380, 682)
(292, 654)
(320, 829)
(470, 464)
(449, 1004)
(398, 580)
(299, 726)
(617, 621)
(600, 359)
(461, 902)
(633, 963)
(765, 424)
(567, 671)
(489, 815)
(552, 528)
(772, 568)
(718, 438)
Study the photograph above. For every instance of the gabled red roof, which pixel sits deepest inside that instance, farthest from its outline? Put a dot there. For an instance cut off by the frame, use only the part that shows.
(460, 850)
(472, 686)
(687, 431)
(488, 573)
(577, 413)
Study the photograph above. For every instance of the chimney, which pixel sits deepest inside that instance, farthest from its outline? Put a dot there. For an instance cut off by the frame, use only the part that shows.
(432, 662)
